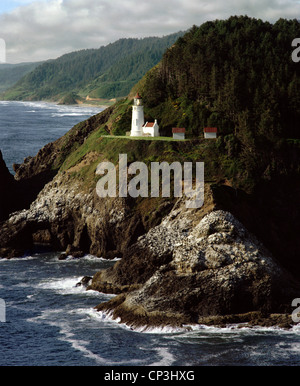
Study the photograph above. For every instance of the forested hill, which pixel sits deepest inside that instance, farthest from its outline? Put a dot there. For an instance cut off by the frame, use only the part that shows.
(107, 72)
(236, 74)
(11, 73)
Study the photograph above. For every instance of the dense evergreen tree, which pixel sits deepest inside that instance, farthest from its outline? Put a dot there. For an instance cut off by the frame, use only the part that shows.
(236, 74)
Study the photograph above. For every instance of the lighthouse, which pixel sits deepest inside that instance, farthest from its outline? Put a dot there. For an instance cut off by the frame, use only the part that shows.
(138, 118)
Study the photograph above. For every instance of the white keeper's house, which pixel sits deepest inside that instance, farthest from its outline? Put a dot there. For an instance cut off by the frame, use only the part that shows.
(138, 126)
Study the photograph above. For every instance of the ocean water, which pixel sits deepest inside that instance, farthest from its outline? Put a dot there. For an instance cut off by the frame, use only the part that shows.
(25, 127)
(51, 322)
(48, 321)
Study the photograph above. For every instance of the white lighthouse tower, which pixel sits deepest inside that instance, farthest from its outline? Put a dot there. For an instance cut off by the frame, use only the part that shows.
(138, 119)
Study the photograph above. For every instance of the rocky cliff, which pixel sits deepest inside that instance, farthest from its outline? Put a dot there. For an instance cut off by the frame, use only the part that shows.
(178, 266)
(197, 266)
(71, 221)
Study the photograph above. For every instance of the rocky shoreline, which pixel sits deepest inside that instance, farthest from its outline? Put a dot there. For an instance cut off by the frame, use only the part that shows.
(212, 273)
(176, 266)
(249, 320)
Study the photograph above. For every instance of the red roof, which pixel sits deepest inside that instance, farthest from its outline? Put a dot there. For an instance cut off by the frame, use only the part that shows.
(178, 130)
(149, 124)
(210, 130)
(138, 96)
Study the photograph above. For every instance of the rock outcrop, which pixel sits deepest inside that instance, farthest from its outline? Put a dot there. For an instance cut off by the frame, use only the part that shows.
(193, 268)
(73, 221)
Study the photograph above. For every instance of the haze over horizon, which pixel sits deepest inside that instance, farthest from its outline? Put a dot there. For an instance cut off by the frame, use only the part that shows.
(46, 29)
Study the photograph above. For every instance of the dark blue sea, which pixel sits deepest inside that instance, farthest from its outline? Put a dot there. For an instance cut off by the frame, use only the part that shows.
(46, 320)
(25, 127)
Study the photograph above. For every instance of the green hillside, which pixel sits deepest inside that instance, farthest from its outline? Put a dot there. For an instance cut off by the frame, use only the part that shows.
(12, 73)
(107, 72)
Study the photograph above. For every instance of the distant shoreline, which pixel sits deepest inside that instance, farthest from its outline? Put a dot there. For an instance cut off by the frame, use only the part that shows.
(104, 103)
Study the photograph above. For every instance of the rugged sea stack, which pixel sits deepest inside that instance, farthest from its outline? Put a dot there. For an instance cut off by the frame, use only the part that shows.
(235, 259)
(197, 266)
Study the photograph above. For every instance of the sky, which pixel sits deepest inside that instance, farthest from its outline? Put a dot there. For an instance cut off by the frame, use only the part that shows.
(46, 29)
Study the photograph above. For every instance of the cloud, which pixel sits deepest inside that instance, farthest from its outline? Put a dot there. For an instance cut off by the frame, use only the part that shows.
(49, 28)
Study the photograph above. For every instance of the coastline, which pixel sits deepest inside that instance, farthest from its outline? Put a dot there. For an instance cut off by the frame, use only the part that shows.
(249, 321)
(104, 104)
(195, 258)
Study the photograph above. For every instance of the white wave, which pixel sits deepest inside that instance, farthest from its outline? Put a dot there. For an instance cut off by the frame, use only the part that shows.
(67, 332)
(160, 330)
(37, 105)
(87, 258)
(167, 359)
(67, 114)
(95, 258)
(106, 316)
(81, 345)
(193, 330)
(4, 260)
(67, 286)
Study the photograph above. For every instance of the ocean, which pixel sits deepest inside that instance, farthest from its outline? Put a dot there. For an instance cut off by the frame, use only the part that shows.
(49, 321)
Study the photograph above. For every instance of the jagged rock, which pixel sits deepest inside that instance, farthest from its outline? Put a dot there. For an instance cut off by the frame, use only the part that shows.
(214, 268)
(73, 221)
(84, 282)
(63, 256)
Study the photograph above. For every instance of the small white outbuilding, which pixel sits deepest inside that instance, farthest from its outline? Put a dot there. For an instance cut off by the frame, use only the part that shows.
(210, 132)
(151, 129)
(178, 133)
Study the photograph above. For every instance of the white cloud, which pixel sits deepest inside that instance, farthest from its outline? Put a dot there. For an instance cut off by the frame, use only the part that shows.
(46, 29)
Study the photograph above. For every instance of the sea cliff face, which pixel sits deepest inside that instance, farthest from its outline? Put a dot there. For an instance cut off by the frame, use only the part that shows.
(71, 221)
(195, 266)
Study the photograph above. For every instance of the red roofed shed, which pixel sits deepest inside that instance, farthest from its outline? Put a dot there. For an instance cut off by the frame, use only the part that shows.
(178, 132)
(210, 132)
